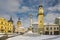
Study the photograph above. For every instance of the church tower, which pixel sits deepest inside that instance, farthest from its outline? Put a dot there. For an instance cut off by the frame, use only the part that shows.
(40, 19)
(19, 23)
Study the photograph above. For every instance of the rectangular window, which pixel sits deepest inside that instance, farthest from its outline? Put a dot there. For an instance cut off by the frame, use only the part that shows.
(9, 31)
(2, 30)
(51, 28)
(47, 28)
(57, 28)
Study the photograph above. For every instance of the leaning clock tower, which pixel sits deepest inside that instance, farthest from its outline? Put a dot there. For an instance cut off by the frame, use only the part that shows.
(40, 20)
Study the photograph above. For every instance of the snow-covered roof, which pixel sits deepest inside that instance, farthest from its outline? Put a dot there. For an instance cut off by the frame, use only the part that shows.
(29, 32)
(21, 27)
(49, 24)
(35, 23)
(41, 37)
(58, 17)
(45, 23)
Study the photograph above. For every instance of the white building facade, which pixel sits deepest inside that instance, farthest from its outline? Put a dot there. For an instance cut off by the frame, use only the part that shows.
(49, 29)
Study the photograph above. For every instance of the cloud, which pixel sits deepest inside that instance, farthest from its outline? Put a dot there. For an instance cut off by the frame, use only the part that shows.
(12, 7)
(24, 9)
(9, 5)
(8, 8)
(51, 3)
(50, 17)
(55, 8)
(52, 13)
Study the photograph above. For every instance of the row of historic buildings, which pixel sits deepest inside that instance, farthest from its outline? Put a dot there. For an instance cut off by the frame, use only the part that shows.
(7, 26)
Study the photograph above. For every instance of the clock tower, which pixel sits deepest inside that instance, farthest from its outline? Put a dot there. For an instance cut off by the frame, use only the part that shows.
(40, 20)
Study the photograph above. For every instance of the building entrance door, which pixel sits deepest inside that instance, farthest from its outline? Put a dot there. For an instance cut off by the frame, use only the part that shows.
(47, 33)
(50, 33)
(56, 32)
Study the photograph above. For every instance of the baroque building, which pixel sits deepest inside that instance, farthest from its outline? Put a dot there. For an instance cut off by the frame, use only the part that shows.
(19, 29)
(5, 26)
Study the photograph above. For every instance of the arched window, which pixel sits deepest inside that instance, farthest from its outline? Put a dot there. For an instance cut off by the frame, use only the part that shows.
(57, 28)
(1, 22)
(54, 28)
(1, 27)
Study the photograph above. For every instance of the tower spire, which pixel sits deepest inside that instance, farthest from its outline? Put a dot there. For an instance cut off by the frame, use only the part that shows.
(30, 28)
(10, 20)
(30, 19)
(40, 2)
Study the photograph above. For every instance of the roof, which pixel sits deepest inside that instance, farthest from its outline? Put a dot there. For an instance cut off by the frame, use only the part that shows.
(45, 23)
(21, 27)
(40, 6)
(58, 17)
(35, 23)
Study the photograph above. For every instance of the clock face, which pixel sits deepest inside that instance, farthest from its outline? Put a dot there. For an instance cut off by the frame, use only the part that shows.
(41, 10)
(40, 21)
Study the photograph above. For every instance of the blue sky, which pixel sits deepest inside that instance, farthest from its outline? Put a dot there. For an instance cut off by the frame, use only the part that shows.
(22, 9)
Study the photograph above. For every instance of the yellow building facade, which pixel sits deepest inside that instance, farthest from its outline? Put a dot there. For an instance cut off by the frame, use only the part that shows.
(5, 26)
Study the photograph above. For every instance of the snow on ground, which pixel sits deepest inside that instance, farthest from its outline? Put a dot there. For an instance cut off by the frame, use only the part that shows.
(22, 37)
(1, 35)
(57, 39)
(33, 36)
